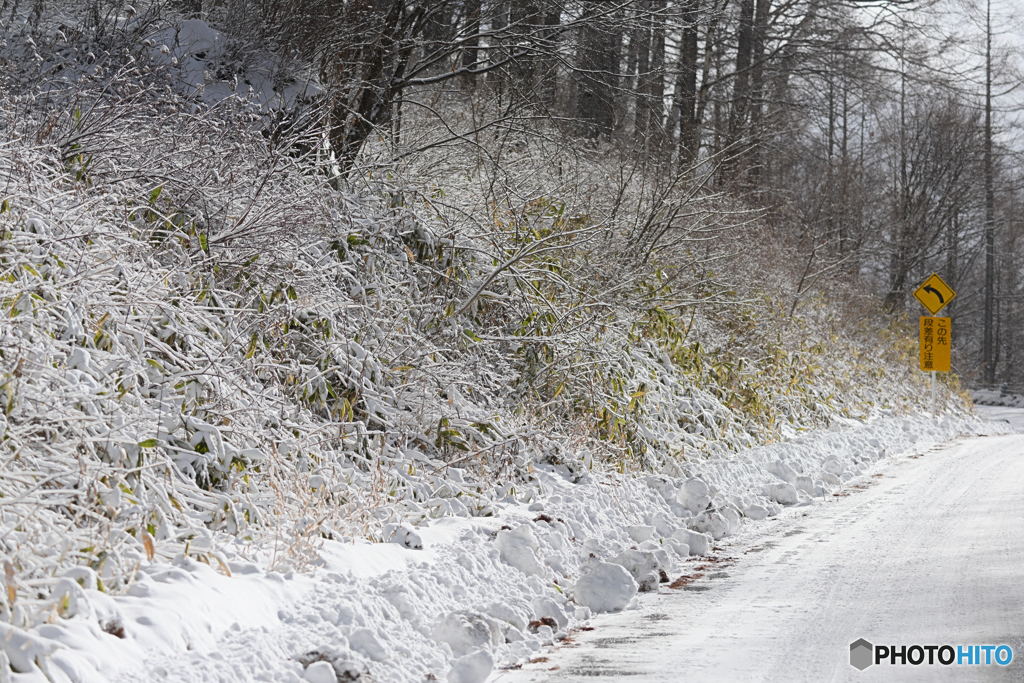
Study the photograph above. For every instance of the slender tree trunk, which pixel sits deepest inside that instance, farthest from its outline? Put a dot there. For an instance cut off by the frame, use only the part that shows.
(526, 19)
(549, 75)
(741, 90)
(952, 253)
(988, 346)
(896, 295)
(757, 90)
(640, 50)
(470, 58)
(655, 85)
(383, 61)
(714, 59)
(598, 76)
(686, 84)
(499, 22)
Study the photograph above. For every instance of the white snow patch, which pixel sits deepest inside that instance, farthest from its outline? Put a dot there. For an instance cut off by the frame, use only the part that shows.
(784, 494)
(320, 672)
(606, 588)
(473, 668)
(694, 495)
(642, 565)
(699, 543)
(519, 548)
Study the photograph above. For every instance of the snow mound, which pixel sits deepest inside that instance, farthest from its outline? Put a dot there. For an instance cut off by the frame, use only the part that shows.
(472, 668)
(784, 494)
(833, 466)
(756, 512)
(365, 641)
(320, 672)
(404, 535)
(712, 523)
(330, 665)
(640, 533)
(547, 607)
(783, 471)
(643, 566)
(804, 483)
(24, 650)
(466, 631)
(519, 549)
(606, 588)
(1001, 397)
(699, 543)
(694, 495)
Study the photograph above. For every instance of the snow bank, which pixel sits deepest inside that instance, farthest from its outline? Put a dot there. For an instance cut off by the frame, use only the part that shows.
(481, 593)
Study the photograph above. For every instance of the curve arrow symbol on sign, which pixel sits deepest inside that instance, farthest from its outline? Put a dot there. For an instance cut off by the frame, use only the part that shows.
(929, 288)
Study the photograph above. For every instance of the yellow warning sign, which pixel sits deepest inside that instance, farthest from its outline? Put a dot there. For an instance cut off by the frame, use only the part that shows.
(935, 344)
(934, 293)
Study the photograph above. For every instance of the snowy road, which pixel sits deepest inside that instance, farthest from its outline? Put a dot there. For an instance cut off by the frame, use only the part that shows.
(931, 552)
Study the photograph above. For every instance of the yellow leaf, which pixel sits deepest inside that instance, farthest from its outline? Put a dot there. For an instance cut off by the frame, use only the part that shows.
(147, 541)
(12, 593)
(222, 563)
(251, 349)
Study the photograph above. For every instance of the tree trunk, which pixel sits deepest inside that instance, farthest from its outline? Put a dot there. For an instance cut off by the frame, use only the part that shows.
(763, 7)
(685, 100)
(526, 19)
(597, 77)
(988, 345)
(548, 87)
(741, 91)
(470, 57)
(382, 62)
(640, 53)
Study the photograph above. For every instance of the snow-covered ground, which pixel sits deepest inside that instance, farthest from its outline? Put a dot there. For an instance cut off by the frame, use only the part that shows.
(926, 551)
(992, 397)
(461, 596)
(1012, 416)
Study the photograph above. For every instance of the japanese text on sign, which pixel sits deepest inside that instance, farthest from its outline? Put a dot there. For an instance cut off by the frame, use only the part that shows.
(935, 344)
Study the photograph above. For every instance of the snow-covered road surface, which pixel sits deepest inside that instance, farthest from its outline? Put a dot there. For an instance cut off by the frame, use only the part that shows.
(932, 552)
(1015, 416)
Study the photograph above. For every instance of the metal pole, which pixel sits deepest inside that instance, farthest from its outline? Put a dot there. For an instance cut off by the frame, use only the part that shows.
(934, 411)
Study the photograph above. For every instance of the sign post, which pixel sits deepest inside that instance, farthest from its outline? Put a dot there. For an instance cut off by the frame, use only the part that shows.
(936, 333)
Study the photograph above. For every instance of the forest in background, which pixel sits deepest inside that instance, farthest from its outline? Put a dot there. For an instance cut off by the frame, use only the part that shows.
(875, 140)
